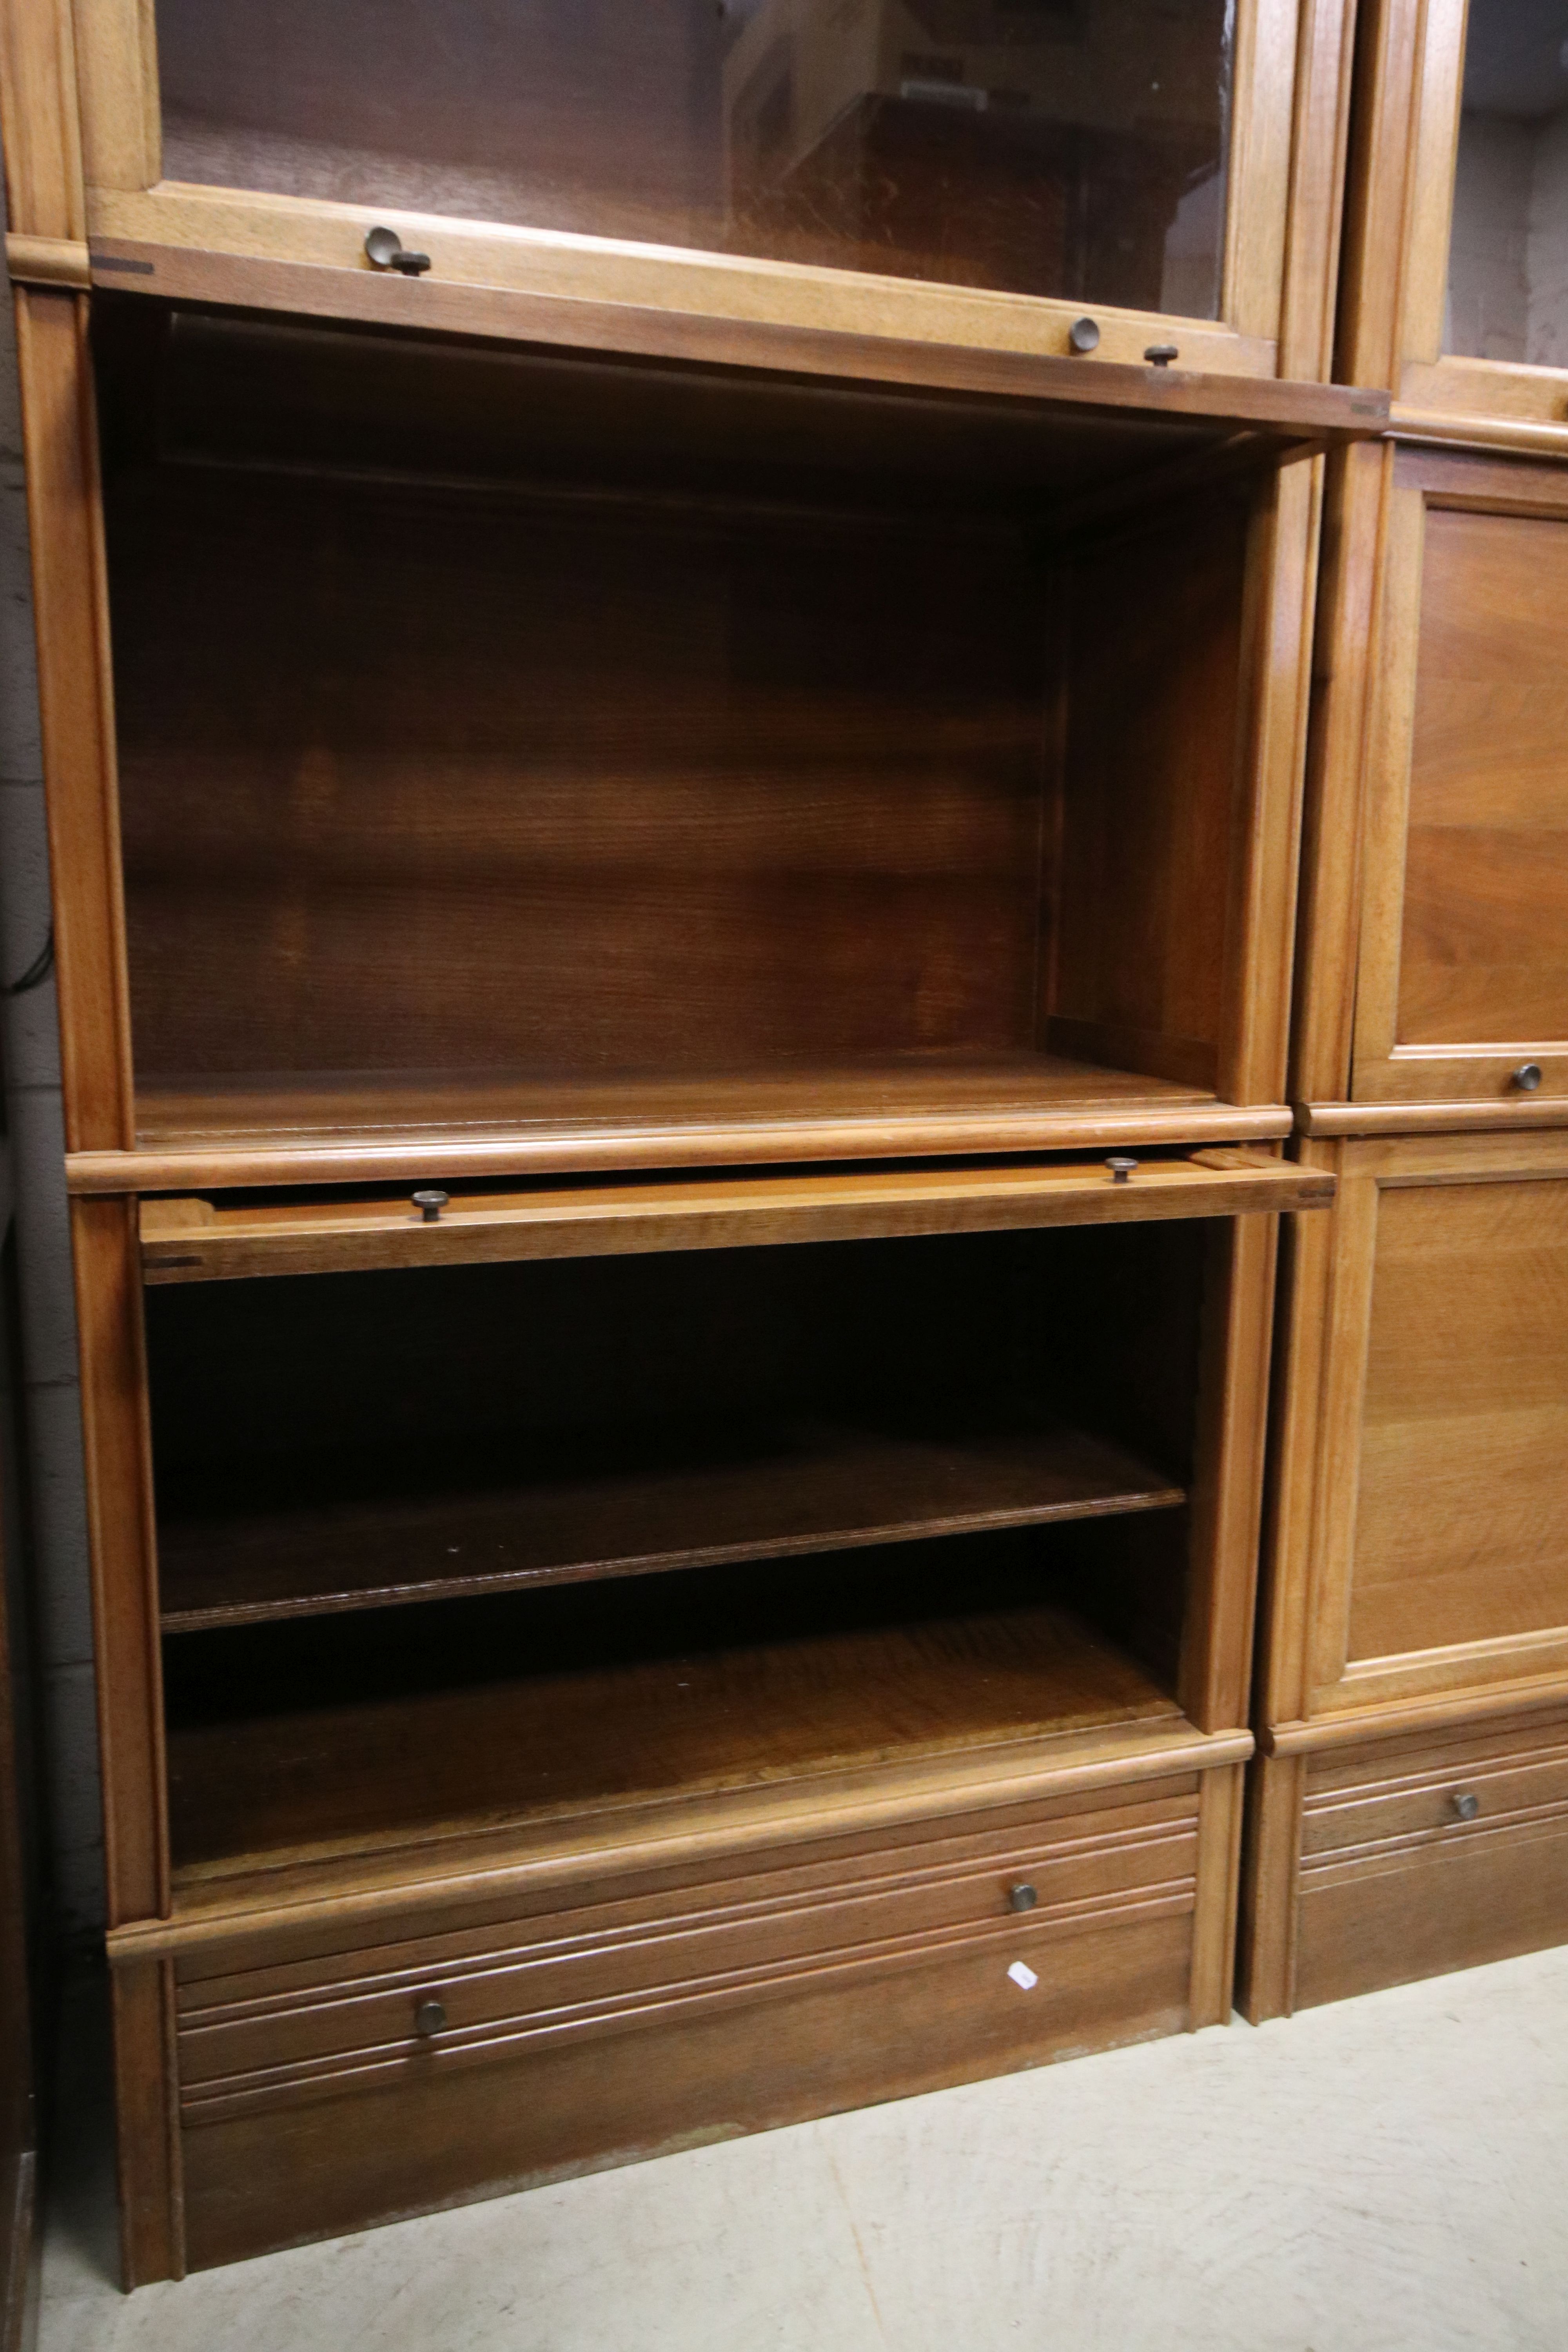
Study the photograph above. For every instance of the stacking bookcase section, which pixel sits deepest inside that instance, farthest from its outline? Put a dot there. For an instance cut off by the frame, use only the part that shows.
(1434, 979)
(675, 1657)
(679, 767)
(1418, 1586)
(1453, 292)
(986, 177)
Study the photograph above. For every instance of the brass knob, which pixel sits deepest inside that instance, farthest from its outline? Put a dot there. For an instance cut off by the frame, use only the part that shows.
(430, 2017)
(430, 1205)
(1021, 1897)
(1527, 1077)
(1083, 335)
(1121, 1168)
(1465, 1805)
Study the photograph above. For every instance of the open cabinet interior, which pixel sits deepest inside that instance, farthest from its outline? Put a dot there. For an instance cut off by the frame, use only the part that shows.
(446, 1547)
(511, 738)
(1059, 147)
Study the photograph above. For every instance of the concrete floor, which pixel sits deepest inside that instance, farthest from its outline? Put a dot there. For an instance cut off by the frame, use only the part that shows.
(1390, 2175)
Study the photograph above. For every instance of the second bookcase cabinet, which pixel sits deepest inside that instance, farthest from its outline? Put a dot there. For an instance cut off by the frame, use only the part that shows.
(1414, 1621)
(598, 1631)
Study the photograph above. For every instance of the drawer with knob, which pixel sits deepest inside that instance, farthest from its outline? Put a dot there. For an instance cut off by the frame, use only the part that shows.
(588, 1966)
(605, 2019)
(1424, 1854)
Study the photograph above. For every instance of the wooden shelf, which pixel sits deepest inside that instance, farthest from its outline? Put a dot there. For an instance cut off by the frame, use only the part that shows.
(311, 1781)
(658, 1501)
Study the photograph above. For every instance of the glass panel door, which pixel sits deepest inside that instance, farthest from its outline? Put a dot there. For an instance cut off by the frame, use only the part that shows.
(1074, 148)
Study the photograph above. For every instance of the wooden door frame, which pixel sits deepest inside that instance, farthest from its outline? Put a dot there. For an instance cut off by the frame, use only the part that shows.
(1288, 129)
(1398, 223)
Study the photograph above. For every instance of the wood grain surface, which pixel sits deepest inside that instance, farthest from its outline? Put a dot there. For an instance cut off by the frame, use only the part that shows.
(286, 1778)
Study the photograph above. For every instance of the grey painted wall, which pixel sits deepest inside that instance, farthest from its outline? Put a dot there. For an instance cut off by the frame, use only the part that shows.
(32, 1067)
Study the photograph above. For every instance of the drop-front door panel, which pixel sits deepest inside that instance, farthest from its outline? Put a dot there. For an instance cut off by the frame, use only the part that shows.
(994, 168)
(1457, 296)
(1422, 1543)
(1463, 976)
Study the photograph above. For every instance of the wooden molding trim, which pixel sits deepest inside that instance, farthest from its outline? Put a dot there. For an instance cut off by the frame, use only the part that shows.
(461, 1872)
(1439, 1712)
(1454, 430)
(455, 304)
(413, 1156)
(1319, 1118)
(47, 260)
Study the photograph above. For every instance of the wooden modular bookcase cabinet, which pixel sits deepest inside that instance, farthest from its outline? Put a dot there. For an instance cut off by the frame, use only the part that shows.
(767, 793)
(1407, 1808)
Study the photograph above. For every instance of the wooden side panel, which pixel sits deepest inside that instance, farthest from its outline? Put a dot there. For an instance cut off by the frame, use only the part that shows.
(1277, 651)
(1227, 1493)
(1345, 664)
(1215, 1923)
(77, 706)
(1149, 786)
(38, 117)
(1266, 1975)
(151, 2228)
(125, 1559)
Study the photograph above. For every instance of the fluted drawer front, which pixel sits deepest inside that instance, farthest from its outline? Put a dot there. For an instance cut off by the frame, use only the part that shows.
(1419, 1856)
(587, 1965)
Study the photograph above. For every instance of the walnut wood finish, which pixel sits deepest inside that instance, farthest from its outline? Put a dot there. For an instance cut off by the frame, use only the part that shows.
(1287, 117)
(1404, 1858)
(195, 1239)
(303, 1782)
(1398, 219)
(77, 709)
(681, 733)
(124, 1557)
(1418, 1480)
(792, 1982)
(747, 1493)
(39, 121)
(1433, 902)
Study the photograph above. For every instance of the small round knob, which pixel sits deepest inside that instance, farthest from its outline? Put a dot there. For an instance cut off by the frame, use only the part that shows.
(1121, 1169)
(1465, 1805)
(1161, 354)
(385, 250)
(430, 2017)
(430, 1205)
(1527, 1077)
(1021, 1897)
(1083, 335)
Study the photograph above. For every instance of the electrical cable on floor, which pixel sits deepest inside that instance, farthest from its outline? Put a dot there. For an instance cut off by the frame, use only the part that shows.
(38, 971)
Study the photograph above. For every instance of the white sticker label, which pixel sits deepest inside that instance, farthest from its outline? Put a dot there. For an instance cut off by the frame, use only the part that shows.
(1023, 1977)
